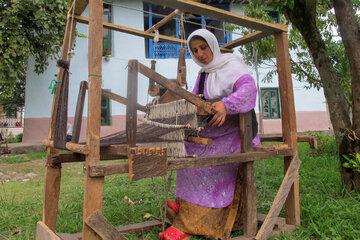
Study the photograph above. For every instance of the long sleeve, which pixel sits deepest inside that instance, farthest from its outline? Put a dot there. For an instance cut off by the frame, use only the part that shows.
(243, 98)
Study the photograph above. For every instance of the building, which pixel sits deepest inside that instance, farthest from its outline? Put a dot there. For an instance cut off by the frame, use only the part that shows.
(119, 47)
(11, 124)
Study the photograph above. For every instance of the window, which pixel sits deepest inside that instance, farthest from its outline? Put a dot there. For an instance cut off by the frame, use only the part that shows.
(105, 111)
(270, 103)
(107, 46)
(155, 13)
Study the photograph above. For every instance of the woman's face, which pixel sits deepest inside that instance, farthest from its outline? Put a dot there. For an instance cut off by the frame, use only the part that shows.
(201, 51)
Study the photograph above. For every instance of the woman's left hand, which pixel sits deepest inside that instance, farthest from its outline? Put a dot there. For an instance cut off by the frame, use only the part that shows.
(219, 118)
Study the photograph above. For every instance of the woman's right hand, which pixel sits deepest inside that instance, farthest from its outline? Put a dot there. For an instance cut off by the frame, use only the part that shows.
(219, 118)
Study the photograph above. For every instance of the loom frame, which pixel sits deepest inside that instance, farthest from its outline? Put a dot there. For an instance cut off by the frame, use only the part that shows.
(91, 152)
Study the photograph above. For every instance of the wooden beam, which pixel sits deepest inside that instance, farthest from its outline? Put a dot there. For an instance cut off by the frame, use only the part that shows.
(163, 21)
(248, 177)
(43, 232)
(73, 147)
(288, 120)
(174, 88)
(131, 115)
(103, 227)
(199, 162)
(106, 169)
(131, 228)
(246, 132)
(251, 37)
(120, 99)
(53, 175)
(79, 112)
(222, 15)
(310, 139)
(93, 190)
(80, 6)
(280, 198)
(140, 33)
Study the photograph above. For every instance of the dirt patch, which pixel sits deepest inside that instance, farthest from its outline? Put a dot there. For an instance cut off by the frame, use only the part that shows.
(24, 171)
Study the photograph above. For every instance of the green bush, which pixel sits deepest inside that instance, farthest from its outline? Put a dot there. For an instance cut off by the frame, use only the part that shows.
(19, 137)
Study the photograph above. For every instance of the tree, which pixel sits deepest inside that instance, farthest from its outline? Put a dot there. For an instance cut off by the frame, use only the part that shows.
(28, 29)
(338, 68)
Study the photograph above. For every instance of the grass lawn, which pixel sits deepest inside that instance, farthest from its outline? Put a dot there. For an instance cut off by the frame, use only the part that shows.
(327, 212)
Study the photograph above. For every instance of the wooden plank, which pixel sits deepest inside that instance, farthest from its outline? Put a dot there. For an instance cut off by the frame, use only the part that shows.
(75, 157)
(310, 139)
(131, 228)
(181, 69)
(78, 148)
(288, 119)
(79, 112)
(93, 190)
(174, 88)
(131, 116)
(115, 150)
(73, 147)
(280, 199)
(251, 37)
(199, 162)
(43, 232)
(153, 89)
(140, 33)
(249, 200)
(246, 132)
(102, 169)
(163, 21)
(62, 109)
(222, 15)
(139, 227)
(52, 194)
(103, 227)
(147, 162)
(270, 147)
(248, 178)
(53, 175)
(120, 99)
(80, 6)
(200, 140)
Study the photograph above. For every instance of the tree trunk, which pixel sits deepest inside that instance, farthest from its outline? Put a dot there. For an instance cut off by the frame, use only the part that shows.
(349, 31)
(303, 17)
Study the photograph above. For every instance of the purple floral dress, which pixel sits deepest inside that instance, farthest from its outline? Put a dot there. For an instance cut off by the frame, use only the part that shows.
(214, 186)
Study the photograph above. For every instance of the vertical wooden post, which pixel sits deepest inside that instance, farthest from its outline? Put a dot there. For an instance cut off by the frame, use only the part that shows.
(53, 174)
(79, 112)
(131, 109)
(288, 121)
(248, 178)
(93, 195)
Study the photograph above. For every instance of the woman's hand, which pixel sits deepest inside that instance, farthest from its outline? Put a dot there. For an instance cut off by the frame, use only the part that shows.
(219, 118)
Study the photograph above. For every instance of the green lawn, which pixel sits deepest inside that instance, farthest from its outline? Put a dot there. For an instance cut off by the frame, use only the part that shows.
(327, 212)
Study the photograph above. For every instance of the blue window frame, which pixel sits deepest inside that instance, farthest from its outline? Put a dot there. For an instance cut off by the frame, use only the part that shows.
(171, 50)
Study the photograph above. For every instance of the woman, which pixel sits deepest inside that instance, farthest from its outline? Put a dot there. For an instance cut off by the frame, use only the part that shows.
(205, 195)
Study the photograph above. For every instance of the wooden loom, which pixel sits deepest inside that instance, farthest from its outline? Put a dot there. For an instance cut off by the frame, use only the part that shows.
(95, 225)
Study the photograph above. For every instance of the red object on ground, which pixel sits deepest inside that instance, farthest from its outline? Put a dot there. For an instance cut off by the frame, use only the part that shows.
(172, 234)
(173, 206)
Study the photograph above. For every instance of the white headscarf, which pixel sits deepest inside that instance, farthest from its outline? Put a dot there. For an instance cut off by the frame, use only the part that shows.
(224, 70)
